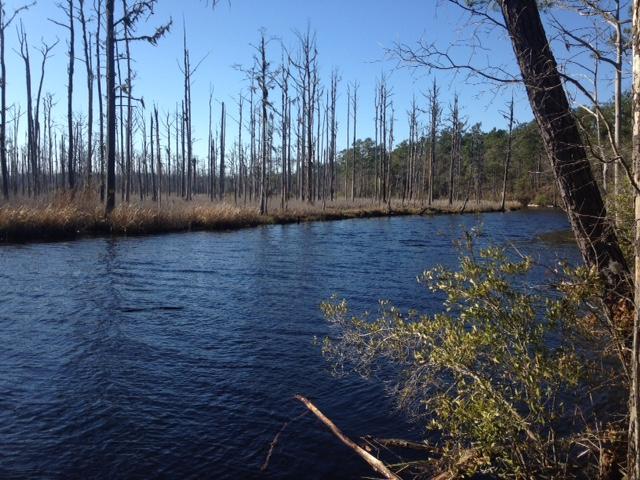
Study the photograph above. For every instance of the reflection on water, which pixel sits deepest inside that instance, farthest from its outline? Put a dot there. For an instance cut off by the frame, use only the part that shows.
(177, 356)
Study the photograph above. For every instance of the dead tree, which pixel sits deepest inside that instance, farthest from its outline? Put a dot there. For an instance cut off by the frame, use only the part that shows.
(111, 106)
(239, 183)
(33, 112)
(264, 83)
(507, 160)
(345, 159)
(158, 156)
(210, 147)
(223, 126)
(98, 9)
(354, 111)
(605, 16)
(434, 114)
(307, 82)
(334, 134)
(456, 144)
(68, 10)
(5, 21)
(187, 112)
(88, 61)
(138, 10)
(127, 91)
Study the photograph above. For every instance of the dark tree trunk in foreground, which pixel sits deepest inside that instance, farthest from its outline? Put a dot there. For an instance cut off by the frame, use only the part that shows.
(559, 130)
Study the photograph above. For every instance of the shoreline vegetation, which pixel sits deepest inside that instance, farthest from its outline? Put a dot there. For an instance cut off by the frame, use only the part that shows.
(66, 218)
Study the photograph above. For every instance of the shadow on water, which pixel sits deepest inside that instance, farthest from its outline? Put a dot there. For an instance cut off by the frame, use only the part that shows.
(176, 356)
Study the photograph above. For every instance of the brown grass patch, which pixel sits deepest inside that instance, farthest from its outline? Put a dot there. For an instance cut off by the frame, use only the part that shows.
(65, 216)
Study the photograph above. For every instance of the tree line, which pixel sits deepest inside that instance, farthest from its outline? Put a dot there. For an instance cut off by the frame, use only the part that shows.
(284, 144)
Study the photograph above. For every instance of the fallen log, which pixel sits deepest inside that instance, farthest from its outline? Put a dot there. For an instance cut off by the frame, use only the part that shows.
(400, 443)
(374, 462)
(274, 442)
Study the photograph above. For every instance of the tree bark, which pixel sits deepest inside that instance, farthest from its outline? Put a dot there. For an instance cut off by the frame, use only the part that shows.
(633, 448)
(594, 233)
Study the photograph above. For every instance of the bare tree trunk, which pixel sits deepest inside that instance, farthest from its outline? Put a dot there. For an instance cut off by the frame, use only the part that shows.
(5, 22)
(507, 161)
(158, 157)
(210, 147)
(129, 88)
(100, 99)
(434, 109)
(3, 107)
(455, 136)
(334, 135)
(72, 59)
(86, 40)
(223, 122)
(345, 159)
(263, 81)
(559, 130)
(353, 145)
(111, 107)
(31, 141)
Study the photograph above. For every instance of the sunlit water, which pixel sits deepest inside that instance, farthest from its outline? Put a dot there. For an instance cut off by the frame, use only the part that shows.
(177, 356)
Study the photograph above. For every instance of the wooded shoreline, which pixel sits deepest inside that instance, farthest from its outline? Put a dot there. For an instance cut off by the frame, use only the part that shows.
(59, 220)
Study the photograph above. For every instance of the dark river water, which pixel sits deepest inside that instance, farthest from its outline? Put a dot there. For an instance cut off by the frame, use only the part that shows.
(177, 356)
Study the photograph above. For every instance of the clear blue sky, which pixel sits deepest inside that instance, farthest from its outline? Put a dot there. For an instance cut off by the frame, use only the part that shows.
(351, 36)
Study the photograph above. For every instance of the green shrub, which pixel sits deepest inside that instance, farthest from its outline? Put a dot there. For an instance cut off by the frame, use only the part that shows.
(505, 370)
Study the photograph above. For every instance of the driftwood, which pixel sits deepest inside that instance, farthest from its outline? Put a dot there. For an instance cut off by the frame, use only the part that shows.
(274, 442)
(400, 443)
(375, 463)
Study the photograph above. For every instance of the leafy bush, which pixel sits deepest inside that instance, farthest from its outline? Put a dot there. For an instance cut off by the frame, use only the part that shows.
(621, 208)
(503, 373)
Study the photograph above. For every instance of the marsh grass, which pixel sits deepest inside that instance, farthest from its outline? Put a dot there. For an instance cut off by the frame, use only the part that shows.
(65, 216)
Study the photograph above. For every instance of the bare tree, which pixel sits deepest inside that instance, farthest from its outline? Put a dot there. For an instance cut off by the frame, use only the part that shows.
(354, 111)
(33, 112)
(5, 22)
(434, 114)
(223, 126)
(130, 18)
(88, 61)
(111, 105)
(456, 144)
(68, 10)
(264, 82)
(507, 160)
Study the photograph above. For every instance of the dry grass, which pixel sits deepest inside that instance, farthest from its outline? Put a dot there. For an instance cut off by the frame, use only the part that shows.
(64, 217)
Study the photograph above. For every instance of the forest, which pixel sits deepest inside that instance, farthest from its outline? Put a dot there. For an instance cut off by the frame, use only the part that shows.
(123, 150)
(516, 354)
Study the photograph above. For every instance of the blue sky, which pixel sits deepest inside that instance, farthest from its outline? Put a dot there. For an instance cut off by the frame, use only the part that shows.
(351, 34)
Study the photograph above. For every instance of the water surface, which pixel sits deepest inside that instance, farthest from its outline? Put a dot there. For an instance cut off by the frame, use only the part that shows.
(177, 356)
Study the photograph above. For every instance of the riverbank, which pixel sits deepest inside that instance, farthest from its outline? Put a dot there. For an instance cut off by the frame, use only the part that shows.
(65, 219)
